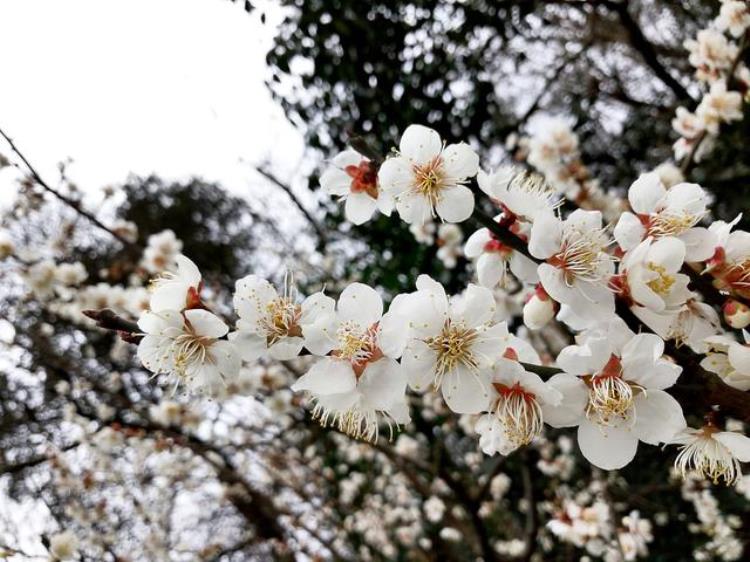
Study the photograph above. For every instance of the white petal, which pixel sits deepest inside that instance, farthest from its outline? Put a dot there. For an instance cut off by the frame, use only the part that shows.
(738, 444)
(361, 304)
(420, 144)
(205, 323)
(668, 252)
(226, 358)
(336, 182)
(460, 161)
(491, 269)
(250, 347)
(658, 417)
(187, 271)
(419, 363)
(455, 203)
(413, 208)
(645, 193)
(359, 208)
(606, 447)
(327, 376)
(475, 244)
(395, 175)
(700, 243)
(546, 236)
(382, 384)
(286, 348)
(629, 231)
(523, 268)
(157, 324)
(739, 357)
(466, 392)
(346, 158)
(475, 306)
(169, 295)
(571, 408)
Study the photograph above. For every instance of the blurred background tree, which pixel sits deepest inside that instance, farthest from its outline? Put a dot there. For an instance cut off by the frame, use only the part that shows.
(85, 430)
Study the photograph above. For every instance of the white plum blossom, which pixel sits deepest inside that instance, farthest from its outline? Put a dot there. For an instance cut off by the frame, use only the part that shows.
(70, 274)
(493, 258)
(179, 289)
(358, 377)
(613, 390)
(718, 106)
(452, 343)
(354, 178)
(186, 346)
(730, 263)
(516, 408)
(521, 196)
(689, 325)
(268, 322)
(635, 536)
(651, 277)
(711, 453)
(577, 267)
(161, 249)
(427, 178)
(658, 212)
(449, 242)
(733, 17)
(729, 359)
(711, 53)
(41, 278)
(63, 546)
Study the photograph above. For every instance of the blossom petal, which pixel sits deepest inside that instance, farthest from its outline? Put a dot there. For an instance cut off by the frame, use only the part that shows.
(382, 384)
(420, 144)
(205, 323)
(659, 417)
(645, 193)
(327, 376)
(738, 444)
(455, 203)
(466, 391)
(609, 448)
(359, 208)
(460, 161)
(571, 408)
(546, 236)
(629, 231)
(361, 304)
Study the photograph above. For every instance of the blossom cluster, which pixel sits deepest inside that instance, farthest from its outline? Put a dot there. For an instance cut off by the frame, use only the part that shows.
(579, 274)
(715, 55)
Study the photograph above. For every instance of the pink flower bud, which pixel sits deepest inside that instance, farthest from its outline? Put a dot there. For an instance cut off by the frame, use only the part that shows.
(736, 314)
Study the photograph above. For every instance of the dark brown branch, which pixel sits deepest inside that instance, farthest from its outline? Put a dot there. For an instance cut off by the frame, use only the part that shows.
(644, 47)
(322, 238)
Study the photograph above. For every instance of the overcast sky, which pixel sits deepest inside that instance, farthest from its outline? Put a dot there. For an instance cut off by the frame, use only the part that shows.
(174, 87)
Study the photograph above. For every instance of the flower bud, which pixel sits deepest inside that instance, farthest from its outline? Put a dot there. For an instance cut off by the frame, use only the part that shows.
(736, 314)
(538, 310)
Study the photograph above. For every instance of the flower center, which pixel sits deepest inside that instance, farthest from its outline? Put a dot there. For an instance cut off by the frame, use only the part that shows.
(429, 179)
(281, 319)
(190, 348)
(708, 458)
(358, 345)
(610, 396)
(453, 347)
(519, 412)
(582, 256)
(670, 223)
(662, 284)
(364, 178)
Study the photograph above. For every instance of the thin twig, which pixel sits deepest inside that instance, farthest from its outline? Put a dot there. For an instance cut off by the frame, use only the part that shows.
(73, 204)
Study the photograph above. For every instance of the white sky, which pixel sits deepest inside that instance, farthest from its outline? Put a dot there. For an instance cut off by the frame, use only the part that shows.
(174, 87)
